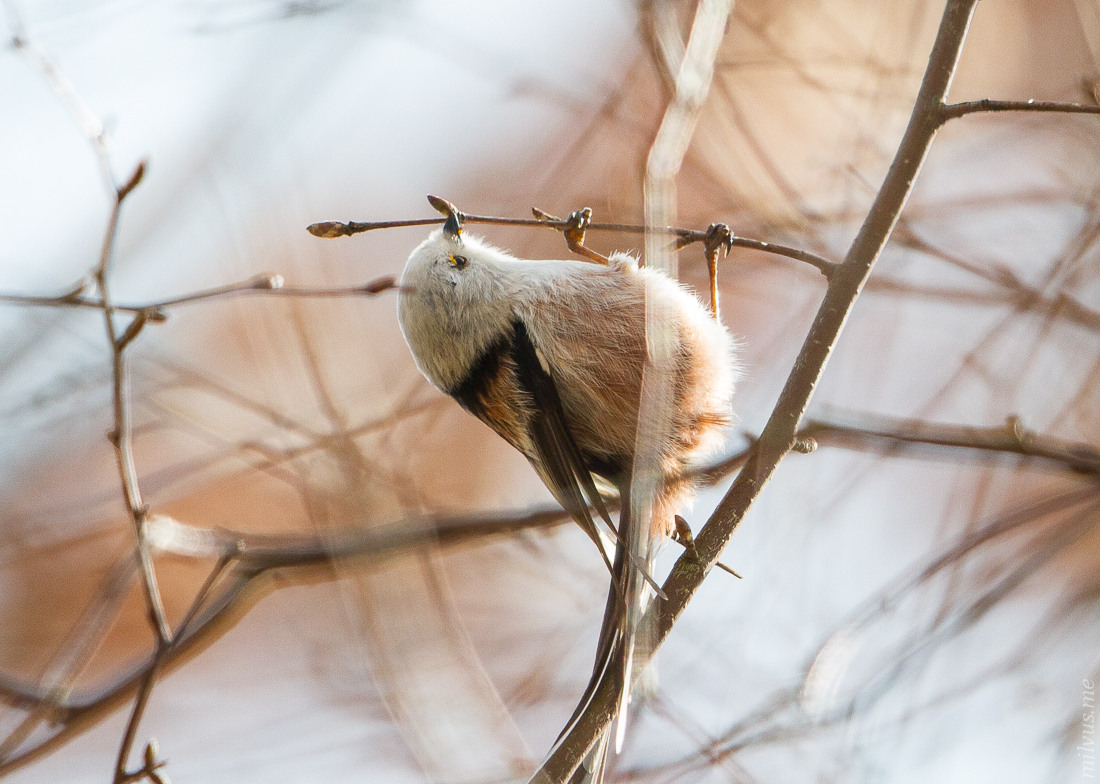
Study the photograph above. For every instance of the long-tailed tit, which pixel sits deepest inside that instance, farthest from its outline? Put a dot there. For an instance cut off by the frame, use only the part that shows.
(552, 356)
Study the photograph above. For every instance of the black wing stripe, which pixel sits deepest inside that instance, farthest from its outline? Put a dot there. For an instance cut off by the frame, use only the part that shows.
(557, 450)
(472, 389)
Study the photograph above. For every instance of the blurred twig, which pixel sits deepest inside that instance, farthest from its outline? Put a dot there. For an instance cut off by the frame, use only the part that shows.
(797, 711)
(266, 284)
(121, 434)
(241, 561)
(244, 560)
(1012, 438)
(1018, 293)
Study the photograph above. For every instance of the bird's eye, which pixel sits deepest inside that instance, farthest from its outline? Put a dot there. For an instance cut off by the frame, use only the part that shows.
(459, 262)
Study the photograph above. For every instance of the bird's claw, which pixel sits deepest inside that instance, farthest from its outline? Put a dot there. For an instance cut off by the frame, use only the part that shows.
(574, 228)
(718, 237)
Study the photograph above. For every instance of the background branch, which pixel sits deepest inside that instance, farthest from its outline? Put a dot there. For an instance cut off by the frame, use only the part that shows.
(952, 111)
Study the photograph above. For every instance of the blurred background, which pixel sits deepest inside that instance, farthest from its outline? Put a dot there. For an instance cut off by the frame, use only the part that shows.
(905, 615)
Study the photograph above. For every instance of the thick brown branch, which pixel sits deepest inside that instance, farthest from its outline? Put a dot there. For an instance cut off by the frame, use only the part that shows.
(780, 433)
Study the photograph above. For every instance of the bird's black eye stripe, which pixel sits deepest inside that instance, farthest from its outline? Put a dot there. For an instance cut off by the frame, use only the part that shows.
(459, 262)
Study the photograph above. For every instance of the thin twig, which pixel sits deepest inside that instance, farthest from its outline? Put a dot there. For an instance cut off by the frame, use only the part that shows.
(144, 691)
(951, 111)
(266, 284)
(1022, 295)
(122, 439)
(148, 679)
(785, 715)
(256, 557)
(267, 556)
(1011, 438)
(74, 652)
(86, 120)
(684, 237)
(121, 436)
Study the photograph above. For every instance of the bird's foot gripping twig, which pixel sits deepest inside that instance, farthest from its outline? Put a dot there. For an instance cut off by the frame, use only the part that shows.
(718, 237)
(574, 228)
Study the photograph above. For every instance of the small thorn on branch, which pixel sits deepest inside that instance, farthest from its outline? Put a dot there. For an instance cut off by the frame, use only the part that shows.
(78, 289)
(727, 570)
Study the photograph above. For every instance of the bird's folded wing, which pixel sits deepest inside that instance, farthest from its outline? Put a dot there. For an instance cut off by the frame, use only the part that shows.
(558, 459)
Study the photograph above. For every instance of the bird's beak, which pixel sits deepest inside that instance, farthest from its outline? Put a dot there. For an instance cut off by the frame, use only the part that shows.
(452, 227)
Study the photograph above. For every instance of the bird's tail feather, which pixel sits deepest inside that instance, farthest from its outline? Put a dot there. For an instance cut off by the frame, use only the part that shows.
(624, 639)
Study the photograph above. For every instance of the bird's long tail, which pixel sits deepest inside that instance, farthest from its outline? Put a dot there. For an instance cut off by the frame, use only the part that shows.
(624, 640)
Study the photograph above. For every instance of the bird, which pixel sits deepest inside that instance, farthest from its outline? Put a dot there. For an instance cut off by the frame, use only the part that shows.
(554, 356)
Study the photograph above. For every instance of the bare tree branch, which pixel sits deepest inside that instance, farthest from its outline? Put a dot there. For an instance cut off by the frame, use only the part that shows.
(684, 237)
(244, 560)
(780, 433)
(952, 111)
(267, 284)
(1013, 438)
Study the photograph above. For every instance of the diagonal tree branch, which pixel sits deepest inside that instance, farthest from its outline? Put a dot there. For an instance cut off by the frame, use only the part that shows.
(780, 434)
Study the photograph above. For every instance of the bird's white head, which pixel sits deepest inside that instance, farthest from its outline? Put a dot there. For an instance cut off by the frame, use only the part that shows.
(456, 299)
